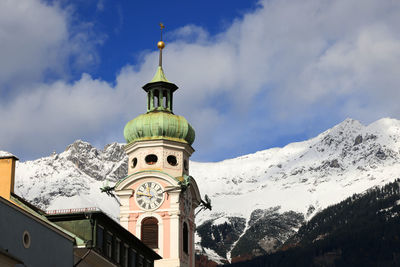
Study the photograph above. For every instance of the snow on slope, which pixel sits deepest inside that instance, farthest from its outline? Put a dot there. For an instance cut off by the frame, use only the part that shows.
(72, 179)
(304, 176)
(347, 159)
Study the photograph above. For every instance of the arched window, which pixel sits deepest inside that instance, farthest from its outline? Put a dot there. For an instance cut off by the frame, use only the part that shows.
(165, 99)
(156, 99)
(185, 238)
(150, 232)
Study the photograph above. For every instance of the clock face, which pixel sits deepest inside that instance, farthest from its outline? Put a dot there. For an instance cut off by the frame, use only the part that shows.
(149, 195)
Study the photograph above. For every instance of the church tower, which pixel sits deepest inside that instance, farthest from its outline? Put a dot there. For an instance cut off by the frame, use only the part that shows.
(158, 197)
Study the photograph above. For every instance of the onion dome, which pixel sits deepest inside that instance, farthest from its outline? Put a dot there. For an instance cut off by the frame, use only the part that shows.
(159, 122)
(159, 125)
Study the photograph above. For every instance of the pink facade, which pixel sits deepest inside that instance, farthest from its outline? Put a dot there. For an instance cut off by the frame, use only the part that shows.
(176, 208)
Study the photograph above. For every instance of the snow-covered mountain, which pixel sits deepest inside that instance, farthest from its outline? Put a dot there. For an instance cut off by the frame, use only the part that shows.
(72, 179)
(362, 230)
(305, 176)
(273, 190)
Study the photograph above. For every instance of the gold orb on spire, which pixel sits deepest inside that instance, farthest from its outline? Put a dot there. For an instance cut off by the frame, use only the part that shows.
(160, 45)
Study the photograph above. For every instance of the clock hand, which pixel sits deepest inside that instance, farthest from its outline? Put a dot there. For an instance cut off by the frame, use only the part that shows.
(147, 195)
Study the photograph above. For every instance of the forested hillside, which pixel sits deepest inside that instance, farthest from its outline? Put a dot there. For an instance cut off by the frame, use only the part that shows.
(362, 230)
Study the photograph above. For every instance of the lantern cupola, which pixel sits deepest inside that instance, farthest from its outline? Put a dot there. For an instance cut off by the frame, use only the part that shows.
(159, 122)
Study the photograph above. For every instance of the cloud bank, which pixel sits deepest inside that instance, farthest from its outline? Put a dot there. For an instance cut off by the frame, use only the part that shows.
(287, 70)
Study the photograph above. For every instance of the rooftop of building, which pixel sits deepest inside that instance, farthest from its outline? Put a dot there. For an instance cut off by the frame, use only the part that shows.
(5, 154)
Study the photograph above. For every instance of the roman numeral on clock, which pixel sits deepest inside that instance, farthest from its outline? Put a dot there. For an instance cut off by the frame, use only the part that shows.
(149, 196)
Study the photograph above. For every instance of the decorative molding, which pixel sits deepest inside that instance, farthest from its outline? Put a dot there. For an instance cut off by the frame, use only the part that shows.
(159, 143)
(144, 175)
(124, 192)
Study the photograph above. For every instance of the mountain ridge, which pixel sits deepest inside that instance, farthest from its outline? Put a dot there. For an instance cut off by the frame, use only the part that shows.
(300, 178)
(361, 230)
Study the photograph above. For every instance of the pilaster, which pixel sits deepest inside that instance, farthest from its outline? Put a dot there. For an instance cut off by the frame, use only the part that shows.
(175, 233)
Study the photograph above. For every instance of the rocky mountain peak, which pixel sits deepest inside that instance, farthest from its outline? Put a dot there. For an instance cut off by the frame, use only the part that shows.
(107, 164)
(114, 152)
(80, 147)
(348, 124)
(279, 187)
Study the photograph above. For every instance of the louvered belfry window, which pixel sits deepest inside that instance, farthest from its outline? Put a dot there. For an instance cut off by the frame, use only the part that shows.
(150, 232)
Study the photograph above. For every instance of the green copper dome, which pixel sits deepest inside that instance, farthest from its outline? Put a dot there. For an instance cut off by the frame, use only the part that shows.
(159, 125)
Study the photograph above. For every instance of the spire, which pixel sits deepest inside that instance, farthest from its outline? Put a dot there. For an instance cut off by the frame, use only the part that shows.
(159, 89)
(160, 76)
(159, 122)
(160, 45)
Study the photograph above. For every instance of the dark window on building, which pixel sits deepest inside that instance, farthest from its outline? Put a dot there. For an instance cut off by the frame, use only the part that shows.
(132, 258)
(172, 160)
(150, 232)
(108, 244)
(185, 238)
(151, 159)
(117, 251)
(140, 260)
(99, 237)
(124, 255)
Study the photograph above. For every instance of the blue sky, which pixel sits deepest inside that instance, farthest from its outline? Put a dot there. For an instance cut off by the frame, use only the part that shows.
(252, 74)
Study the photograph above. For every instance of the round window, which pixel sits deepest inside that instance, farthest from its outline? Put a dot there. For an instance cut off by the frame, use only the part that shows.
(151, 159)
(172, 160)
(134, 162)
(26, 239)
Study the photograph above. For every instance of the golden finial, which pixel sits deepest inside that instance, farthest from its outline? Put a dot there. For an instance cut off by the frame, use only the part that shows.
(161, 44)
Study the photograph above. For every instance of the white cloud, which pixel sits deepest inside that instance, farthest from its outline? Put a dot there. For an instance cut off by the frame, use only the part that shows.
(31, 33)
(288, 68)
(37, 41)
